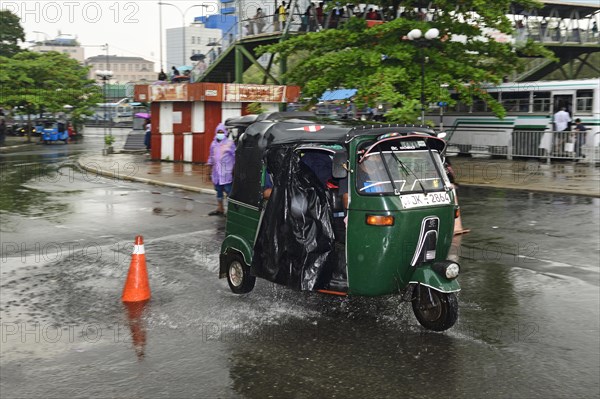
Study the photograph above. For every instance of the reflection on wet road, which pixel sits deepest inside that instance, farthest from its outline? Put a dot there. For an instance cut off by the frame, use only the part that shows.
(528, 324)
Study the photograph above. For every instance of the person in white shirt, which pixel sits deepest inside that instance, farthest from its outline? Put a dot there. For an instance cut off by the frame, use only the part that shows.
(561, 120)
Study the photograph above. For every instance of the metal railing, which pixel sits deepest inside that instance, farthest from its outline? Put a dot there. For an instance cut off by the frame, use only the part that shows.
(546, 145)
(557, 145)
(250, 27)
(558, 34)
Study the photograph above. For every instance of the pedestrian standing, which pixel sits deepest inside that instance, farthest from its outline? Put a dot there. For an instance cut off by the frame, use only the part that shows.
(320, 15)
(148, 135)
(199, 69)
(372, 14)
(312, 18)
(175, 73)
(350, 110)
(579, 126)
(258, 21)
(222, 159)
(521, 32)
(304, 20)
(561, 122)
(71, 132)
(2, 131)
(281, 16)
(376, 116)
(580, 130)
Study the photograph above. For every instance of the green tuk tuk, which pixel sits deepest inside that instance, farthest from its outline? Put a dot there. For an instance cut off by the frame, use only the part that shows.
(353, 210)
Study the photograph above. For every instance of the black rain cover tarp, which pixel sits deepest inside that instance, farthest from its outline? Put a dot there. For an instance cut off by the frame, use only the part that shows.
(248, 169)
(295, 244)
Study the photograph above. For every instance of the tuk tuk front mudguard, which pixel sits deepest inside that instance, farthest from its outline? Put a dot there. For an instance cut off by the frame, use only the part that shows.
(379, 258)
(233, 243)
(424, 275)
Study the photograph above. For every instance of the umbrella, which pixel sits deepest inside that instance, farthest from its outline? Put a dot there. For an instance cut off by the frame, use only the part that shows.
(340, 94)
(184, 68)
(143, 115)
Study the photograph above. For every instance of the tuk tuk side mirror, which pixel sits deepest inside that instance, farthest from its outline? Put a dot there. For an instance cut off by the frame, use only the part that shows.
(338, 171)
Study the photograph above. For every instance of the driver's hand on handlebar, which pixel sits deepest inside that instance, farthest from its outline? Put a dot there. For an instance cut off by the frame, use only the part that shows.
(267, 193)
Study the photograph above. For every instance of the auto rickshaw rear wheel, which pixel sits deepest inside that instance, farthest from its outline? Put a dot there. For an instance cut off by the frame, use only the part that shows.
(434, 310)
(238, 275)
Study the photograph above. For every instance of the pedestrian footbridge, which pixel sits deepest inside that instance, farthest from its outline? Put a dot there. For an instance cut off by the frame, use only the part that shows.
(569, 29)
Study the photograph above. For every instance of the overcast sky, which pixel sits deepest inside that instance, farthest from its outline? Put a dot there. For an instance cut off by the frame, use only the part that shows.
(131, 28)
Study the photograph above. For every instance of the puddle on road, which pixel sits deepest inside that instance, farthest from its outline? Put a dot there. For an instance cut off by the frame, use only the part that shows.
(196, 333)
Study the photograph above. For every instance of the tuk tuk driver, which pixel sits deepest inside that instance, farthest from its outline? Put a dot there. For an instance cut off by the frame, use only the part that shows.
(371, 174)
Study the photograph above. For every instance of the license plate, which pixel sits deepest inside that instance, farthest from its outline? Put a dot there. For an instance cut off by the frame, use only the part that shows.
(429, 199)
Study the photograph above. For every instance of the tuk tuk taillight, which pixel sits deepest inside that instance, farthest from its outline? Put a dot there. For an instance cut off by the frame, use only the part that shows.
(457, 213)
(380, 220)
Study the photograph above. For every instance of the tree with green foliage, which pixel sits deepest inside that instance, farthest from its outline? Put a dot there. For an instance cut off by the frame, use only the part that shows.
(32, 83)
(256, 108)
(11, 32)
(385, 67)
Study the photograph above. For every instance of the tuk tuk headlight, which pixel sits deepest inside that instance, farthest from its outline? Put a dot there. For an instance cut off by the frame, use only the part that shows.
(447, 269)
(452, 271)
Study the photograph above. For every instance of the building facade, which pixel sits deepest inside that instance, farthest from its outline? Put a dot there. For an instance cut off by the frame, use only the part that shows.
(195, 39)
(69, 47)
(124, 69)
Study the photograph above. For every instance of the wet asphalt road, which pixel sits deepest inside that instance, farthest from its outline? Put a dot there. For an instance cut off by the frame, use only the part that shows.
(528, 324)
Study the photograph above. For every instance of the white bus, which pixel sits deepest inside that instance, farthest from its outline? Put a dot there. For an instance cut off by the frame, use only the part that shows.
(117, 112)
(530, 106)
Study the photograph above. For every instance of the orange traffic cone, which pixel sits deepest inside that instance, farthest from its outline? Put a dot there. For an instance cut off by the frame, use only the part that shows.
(137, 287)
(458, 227)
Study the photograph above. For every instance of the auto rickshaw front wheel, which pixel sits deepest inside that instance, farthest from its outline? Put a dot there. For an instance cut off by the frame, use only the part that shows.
(434, 310)
(238, 275)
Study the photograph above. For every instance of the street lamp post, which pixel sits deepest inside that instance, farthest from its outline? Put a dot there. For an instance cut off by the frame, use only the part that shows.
(421, 41)
(442, 104)
(160, 35)
(183, 13)
(105, 76)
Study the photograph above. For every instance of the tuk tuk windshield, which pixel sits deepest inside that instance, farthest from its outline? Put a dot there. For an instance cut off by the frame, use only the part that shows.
(398, 172)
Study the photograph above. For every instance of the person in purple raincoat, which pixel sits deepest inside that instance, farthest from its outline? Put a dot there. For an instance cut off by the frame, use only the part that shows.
(222, 159)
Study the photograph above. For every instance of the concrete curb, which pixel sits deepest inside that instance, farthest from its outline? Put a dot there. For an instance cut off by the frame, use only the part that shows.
(93, 167)
(528, 176)
(529, 189)
(147, 181)
(12, 147)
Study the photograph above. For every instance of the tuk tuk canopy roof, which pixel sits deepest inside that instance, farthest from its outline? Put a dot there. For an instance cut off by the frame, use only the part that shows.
(244, 120)
(310, 131)
(286, 115)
